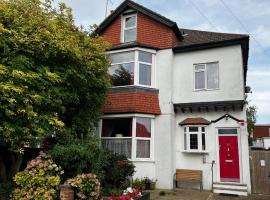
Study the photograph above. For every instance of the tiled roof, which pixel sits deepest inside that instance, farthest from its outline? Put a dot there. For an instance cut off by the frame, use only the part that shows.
(194, 121)
(196, 37)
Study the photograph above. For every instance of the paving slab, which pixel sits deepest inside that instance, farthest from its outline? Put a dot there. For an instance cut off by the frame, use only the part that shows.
(189, 194)
(179, 194)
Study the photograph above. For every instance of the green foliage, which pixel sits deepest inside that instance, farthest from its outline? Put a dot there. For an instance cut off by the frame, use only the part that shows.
(251, 119)
(138, 183)
(53, 75)
(86, 186)
(38, 180)
(118, 171)
(79, 157)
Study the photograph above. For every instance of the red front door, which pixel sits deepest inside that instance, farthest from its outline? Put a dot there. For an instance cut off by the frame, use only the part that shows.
(229, 159)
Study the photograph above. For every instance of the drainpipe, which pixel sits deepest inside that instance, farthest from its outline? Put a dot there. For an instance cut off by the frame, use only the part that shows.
(212, 170)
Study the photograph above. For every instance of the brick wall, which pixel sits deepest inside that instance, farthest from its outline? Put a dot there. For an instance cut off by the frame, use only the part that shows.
(113, 32)
(154, 33)
(132, 102)
(149, 32)
(66, 192)
(261, 131)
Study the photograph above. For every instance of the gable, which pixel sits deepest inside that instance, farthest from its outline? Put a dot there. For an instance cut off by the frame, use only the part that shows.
(152, 29)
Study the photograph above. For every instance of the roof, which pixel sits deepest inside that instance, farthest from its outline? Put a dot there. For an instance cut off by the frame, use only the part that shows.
(194, 121)
(128, 4)
(262, 125)
(131, 45)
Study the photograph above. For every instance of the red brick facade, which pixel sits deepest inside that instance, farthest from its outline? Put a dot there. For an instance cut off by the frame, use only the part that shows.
(113, 32)
(261, 131)
(149, 32)
(132, 102)
(153, 33)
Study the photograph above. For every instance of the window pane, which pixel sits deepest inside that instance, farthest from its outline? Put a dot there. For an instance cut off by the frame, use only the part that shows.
(145, 57)
(120, 127)
(122, 57)
(212, 75)
(145, 74)
(143, 127)
(203, 141)
(130, 21)
(130, 35)
(203, 129)
(193, 141)
(122, 74)
(200, 80)
(193, 129)
(227, 131)
(121, 146)
(143, 149)
(199, 67)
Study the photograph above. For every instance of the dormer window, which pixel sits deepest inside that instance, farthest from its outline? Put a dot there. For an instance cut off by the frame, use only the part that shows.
(129, 28)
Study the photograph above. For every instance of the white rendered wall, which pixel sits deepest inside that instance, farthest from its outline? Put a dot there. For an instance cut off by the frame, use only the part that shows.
(195, 161)
(230, 75)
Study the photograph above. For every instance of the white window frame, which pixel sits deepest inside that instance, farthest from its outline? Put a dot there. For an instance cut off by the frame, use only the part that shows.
(134, 137)
(123, 27)
(136, 66)
(205, 76)
(186, 139)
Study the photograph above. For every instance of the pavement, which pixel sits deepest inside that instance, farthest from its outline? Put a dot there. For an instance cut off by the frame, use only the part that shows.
(189, 194)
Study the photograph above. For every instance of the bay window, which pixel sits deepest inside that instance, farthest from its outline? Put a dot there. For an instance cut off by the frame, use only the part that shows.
(131, 68)
(206, 76)
(131, 136)
(194, 139)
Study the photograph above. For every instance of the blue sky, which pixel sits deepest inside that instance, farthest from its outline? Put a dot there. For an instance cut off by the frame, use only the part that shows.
(209, 15)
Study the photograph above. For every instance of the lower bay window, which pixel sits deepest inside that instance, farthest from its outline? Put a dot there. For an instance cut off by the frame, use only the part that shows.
(194, 139)
(129, 135)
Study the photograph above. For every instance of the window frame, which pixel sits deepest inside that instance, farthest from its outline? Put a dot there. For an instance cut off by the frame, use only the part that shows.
(137, 65)
(123, 27)
(134, 137)
(205, 76)
(199, 133)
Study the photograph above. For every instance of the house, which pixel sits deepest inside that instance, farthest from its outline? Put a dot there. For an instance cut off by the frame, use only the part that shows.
(178, 99)
(261, 136)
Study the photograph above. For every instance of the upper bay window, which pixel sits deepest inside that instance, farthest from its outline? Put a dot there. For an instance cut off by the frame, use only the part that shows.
(131, 68)
(129, 28)
(206, 76)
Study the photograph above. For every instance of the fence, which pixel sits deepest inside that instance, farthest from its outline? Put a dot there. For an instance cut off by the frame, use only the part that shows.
(260, 171)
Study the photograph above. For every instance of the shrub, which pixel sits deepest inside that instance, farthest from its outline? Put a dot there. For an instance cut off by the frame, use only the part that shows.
(113, 171)
(86, 186)
(118, 171)
(79, 157)
(38, 180)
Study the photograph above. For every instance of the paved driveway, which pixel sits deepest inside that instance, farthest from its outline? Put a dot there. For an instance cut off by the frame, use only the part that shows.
(188, 194)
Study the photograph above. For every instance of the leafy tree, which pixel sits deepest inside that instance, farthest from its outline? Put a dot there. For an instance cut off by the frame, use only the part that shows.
(251, 120)
(53, 76)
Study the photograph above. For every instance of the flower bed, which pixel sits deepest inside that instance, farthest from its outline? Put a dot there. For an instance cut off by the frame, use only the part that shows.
(129, 194)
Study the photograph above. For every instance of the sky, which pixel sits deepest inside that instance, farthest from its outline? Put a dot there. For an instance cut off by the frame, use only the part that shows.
(232, 16)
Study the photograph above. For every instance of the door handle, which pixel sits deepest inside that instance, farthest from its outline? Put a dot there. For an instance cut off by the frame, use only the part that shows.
(229, 161)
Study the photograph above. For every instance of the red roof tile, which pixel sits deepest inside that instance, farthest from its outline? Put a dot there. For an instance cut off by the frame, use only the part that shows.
(194, 121)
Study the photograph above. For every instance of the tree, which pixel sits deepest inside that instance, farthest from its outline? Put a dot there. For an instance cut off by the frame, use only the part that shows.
(53, 76)
(251, 120)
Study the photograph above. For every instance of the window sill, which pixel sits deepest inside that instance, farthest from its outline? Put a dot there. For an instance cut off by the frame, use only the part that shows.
(195, 152)
(201, 90)
(143, 160)
(137, 85)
